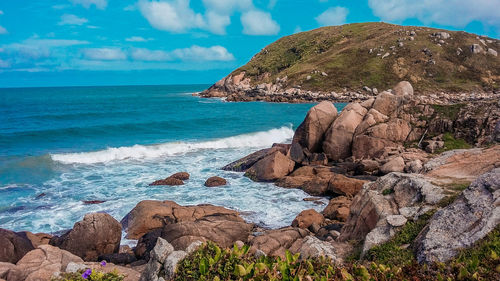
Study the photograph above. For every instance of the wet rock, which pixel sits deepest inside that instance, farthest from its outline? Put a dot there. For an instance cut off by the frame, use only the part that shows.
(180, 176)
(311, 131)
(271, 168)
(93, 202)
(149, 215)
(14, 246)
(215, 181)
(470, 218)
(307, 218)
(168, 181)
(97, 234)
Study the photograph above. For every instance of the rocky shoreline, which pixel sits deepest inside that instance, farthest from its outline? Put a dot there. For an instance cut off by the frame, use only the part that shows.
(379, 162)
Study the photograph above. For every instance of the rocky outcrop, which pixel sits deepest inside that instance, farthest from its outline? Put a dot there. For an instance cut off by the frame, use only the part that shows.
(149, 215)
(215, 181)
(248, 161)
(14, 246)
(271, 167)
(42, 264)
(97, 234)
(408, 195)
(307, 218)
(311, 131)
(338, 208)
(470, 218)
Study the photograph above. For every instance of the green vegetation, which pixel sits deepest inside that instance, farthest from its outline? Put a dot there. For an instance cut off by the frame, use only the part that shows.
(449, 111)
(451, 143)
(387, 191)
(389, 261)
(94, 276)
(453, 190)
(343, 53)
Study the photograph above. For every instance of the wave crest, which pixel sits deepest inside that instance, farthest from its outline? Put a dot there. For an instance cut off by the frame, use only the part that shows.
(259, 139)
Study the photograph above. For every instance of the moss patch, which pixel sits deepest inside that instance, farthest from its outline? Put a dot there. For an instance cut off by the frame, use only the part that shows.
(451, 143)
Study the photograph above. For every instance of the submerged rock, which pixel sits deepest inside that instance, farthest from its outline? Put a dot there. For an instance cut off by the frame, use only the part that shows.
(470, 218)
(215, 181)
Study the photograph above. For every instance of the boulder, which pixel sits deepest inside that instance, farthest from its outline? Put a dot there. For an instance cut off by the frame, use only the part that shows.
(248, 161)
(215, 181)
(97, 234)
(313, 180)
(275, 242)
(118, 258)
(387, 103)
(307, 218)
(14, 246)
(396, 164)
(146, 243)
(36, 239)
(395, 130)
(5, 268)
(159, 254)
(342, 185)
(149, 215)
(41, 264)
(338, 208)
(409, 195)
(171, 263)
(171, 181)
(312, 247)
(311, 131)
(271, 168)
(367, 147)
(180, 176)
(221, 229)
(338, 138)
(470, 218)
(403, 88)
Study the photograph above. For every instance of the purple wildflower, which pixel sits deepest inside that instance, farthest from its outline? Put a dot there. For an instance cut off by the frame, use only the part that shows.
(87, 273)
(103, 263)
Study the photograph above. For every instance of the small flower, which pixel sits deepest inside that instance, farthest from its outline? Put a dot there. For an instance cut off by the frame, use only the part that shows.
(87, 273)
(103, 263)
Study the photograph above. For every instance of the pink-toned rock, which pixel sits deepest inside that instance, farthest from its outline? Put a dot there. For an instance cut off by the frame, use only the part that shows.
(338, 208)
(149, 215)
(307, 218)
(396, 164)
(338, 139)
(403, 88)
(366, 147)
(215, 181)
(387, 103)
(271, 168)
(311, 132)
(342, 185)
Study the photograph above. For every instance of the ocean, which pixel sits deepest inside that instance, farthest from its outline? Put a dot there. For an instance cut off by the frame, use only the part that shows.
(61, 146)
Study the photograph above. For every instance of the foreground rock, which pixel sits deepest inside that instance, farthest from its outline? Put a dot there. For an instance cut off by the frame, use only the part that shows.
(307, 218)
(470, 218)
(42, 264)
(149, 215)
(404, 195)
(13, 246)
(338, 208)
(97, 234)
(215, 181)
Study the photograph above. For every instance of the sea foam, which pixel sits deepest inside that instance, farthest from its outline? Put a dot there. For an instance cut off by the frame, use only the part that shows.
(137, 152)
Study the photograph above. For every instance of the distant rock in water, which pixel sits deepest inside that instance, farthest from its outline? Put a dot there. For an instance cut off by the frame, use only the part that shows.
(93, 202)
(175, 179)
(215, 181)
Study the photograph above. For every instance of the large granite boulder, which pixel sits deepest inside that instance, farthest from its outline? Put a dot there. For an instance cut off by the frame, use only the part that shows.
(14, 246)
(311, 131)
(403, 88)
(276, 242)
(224, 230)
(97, 234)
(149, 215)
(312, 179)
(41, 264)
(271, 168)
(338, 208)
(470, 218)
(338, 138)
(342, 185)
(307, 218)
(248, 161)
(408, 195)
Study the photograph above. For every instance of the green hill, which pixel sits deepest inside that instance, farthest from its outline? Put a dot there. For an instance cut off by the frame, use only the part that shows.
(379, 55)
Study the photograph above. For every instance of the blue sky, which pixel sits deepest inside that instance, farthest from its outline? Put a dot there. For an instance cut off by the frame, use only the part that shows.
(123, 42)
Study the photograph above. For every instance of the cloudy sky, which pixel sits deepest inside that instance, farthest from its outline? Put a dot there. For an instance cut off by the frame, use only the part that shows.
(123, 42)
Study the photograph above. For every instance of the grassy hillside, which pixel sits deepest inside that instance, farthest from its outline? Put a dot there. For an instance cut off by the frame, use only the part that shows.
(343, 53)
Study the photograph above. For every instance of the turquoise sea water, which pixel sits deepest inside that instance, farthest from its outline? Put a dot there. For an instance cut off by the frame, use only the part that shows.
(60, 146)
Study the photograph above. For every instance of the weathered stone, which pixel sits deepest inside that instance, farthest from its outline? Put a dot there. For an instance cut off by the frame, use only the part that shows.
(338, 208)
(370, 147)
(271, 168)
(171, 181)
(171, 263)
(161, 250)
(311, 131)
(149, 215)
(338, 138)
(14, 246)
(403, 88)
(342, 185)
(387, 103)
(313, 180)
(470, 218)
(215, 181)
(181, 176)
(396, 164)
(396, 220)
(307, 218)
(312, 247)
(275, 242)
(97, 234)
(5, 268)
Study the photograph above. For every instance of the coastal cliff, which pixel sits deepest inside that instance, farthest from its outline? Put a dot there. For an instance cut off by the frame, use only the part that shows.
(356, 61)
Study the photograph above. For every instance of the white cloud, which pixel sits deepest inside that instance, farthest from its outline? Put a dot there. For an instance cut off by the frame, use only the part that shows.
(100, 4)
(217, 23)
(175, 16)
(457, 13)
(193, 53)
(105, 54)
(227, 6)
(259, 23)
(297, 29)
(3, 30)
(68, 19)
(333, 16)
(138, 39)
(129, 8)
